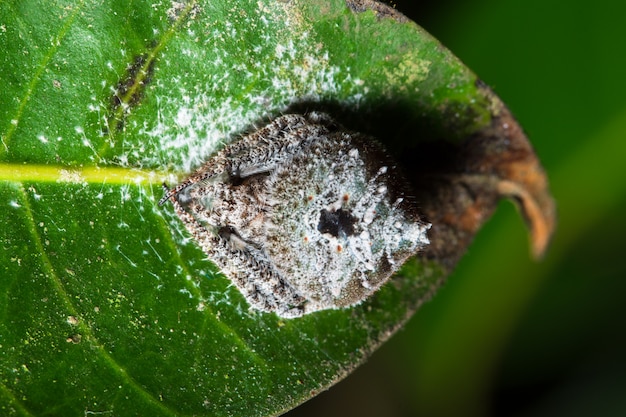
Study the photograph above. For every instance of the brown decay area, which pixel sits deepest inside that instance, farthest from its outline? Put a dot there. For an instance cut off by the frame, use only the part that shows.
(462, 186)
(130, 89)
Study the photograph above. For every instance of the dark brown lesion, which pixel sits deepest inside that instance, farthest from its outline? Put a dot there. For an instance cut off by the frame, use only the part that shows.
(130, 89)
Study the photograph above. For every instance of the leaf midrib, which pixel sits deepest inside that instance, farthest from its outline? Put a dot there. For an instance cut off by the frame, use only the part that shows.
(40, 173)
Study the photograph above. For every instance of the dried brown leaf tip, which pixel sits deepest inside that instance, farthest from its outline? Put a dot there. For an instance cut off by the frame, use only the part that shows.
(463, 185)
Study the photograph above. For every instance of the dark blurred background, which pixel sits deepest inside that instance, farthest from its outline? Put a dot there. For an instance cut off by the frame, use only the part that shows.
(507, 336)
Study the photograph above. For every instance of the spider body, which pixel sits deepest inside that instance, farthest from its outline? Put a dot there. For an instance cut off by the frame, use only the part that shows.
(302, 215)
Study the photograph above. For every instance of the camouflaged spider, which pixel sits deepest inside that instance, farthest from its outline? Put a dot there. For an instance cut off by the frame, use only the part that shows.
(301, 215)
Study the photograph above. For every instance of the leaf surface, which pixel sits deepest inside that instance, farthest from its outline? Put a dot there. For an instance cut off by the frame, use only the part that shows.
(106, 304)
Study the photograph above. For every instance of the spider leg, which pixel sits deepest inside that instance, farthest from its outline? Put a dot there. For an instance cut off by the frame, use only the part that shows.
(204, 237)
(169, 193)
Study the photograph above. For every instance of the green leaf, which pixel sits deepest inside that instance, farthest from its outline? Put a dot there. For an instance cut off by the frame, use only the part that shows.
(107, 304)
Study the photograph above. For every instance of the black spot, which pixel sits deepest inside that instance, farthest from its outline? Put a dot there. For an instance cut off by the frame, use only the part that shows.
(234, 175)
(339, 222)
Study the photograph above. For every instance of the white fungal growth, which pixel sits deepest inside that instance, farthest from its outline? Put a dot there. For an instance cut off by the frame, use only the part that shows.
(232, 85)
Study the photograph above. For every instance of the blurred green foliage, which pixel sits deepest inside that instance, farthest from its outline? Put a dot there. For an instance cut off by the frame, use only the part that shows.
(508, 336)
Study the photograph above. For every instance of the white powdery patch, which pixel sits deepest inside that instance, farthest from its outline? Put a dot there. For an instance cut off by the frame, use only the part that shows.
(190, 132)
(195, 118)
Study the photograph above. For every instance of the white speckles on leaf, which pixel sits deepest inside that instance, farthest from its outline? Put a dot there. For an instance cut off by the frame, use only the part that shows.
(197, 110)
(66, 175)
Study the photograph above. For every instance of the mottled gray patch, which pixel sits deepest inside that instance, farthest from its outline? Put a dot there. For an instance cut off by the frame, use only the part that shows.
(302, 215)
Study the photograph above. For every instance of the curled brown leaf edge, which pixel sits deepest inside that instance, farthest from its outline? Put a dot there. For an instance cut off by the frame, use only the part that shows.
(460, 195)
